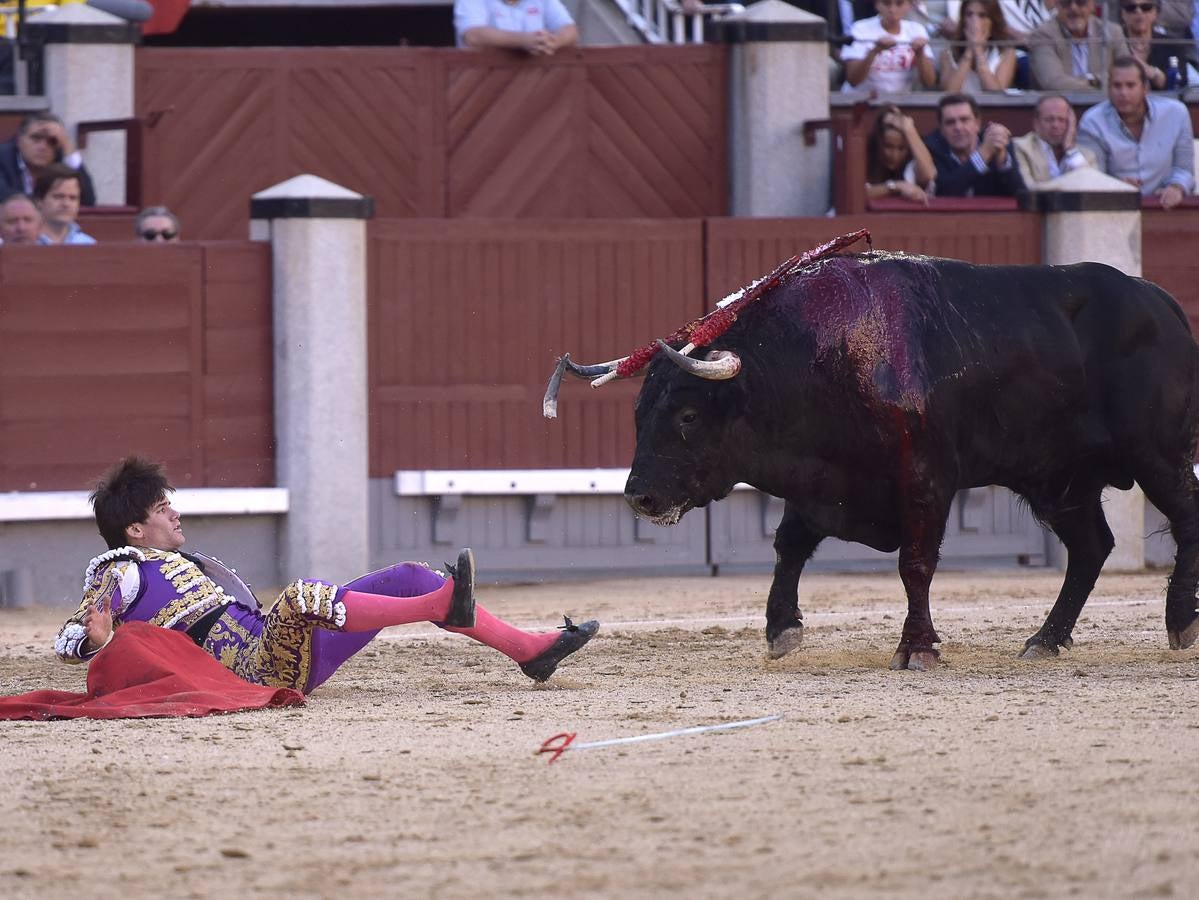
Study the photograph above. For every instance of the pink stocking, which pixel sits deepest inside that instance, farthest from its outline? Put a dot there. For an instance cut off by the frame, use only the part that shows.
(519, 646)
(370, 612)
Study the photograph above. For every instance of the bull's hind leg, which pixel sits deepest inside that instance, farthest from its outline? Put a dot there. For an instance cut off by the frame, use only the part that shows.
(1176, 494)
(1078, 520)
(794, 544)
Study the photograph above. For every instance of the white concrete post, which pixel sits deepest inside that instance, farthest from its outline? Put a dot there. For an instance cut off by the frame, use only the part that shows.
(1092, 216)
(89, 77)
(778, 75)
(317, 232)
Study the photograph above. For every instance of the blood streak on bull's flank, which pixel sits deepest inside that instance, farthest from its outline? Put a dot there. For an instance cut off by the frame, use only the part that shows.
(861, 307)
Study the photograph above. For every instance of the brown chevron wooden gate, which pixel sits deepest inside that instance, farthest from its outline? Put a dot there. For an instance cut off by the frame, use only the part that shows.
(614, 132)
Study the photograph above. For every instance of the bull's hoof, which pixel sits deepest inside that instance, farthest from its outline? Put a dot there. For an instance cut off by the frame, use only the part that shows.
(1181, 640)
(787, 642)
(1035, 650)
(915, 660)
(1040, 647)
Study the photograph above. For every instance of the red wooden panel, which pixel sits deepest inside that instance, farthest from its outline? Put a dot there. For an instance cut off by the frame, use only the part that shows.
(466, 320)
(211, 139)
(108, 224)
(1168, 242)
(511, 148)
(104, 355)
(226, 123)
(238, 380)
(606, 131)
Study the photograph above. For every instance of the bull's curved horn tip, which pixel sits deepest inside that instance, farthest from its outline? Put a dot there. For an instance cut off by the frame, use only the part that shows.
(718, 365)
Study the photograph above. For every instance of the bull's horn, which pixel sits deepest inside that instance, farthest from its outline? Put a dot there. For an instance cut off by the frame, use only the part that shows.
(599, 374)
(718, 365)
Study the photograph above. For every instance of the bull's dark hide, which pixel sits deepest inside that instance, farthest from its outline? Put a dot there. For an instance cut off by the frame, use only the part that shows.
(873, 387)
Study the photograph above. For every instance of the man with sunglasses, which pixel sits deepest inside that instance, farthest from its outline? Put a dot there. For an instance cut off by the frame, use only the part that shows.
(1067, 51)
(156, 225)
(41, 141)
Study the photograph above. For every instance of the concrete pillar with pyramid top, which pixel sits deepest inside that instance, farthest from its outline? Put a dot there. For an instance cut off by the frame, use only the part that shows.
(317, 232)
(778, 79)
(1090, 216)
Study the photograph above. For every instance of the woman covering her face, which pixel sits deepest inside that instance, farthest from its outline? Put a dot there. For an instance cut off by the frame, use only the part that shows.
(1148, 42)
(978, 58)
(894, 142)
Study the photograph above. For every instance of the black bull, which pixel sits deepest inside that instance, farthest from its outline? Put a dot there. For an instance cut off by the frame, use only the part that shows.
(873, 387)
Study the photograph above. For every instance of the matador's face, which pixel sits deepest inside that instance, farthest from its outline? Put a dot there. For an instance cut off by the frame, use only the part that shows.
(161, 530)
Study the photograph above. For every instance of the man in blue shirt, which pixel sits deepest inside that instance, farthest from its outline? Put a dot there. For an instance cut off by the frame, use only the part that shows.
(538, 27)
(1141, 138)
(57, 191)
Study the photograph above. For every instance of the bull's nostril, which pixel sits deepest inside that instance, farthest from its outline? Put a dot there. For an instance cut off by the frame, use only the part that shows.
(642, 503)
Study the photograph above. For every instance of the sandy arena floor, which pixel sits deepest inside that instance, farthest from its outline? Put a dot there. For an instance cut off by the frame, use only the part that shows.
(412, 774)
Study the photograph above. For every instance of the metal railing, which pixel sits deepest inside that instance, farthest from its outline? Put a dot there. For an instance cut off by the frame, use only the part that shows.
(666, 22)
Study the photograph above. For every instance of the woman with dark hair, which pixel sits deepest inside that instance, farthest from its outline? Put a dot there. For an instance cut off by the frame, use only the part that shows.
(977, 58)
(1148, 43)
(894, 145)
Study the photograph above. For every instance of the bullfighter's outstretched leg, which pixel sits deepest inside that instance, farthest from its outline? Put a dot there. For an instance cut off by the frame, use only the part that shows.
(794, 544)
(924, 520)
(1078, 520)
(1176, 493)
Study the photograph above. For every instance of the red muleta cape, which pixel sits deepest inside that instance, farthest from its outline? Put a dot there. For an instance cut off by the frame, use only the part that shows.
(148, 671)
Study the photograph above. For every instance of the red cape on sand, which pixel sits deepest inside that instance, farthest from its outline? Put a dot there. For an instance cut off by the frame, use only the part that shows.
(149, 671)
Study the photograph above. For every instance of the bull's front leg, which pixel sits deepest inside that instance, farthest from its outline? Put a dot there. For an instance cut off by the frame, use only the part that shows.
(794, 544)
(924, 519)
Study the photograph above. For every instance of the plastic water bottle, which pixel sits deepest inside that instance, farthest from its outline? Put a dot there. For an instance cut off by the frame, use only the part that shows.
(1172, 73)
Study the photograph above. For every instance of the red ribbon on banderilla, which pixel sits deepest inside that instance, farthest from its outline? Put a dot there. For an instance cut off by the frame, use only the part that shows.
(560, 743)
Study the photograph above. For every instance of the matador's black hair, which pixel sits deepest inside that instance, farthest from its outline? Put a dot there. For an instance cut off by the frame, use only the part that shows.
(124, 496)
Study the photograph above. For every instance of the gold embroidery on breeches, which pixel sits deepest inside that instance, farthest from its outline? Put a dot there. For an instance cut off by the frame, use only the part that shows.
(281, 656)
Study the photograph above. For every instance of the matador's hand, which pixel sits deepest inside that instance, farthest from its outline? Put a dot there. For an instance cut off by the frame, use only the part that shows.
(98, 623)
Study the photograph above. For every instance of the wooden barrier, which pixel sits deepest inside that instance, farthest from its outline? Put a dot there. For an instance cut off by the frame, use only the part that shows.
(166, 350)
(606, 132)
(467, 318)
(122, 348)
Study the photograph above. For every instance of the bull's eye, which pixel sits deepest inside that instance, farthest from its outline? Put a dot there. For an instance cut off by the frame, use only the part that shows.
(688, 417)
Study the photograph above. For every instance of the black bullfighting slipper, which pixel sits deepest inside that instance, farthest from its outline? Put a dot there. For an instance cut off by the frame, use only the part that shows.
(573, 636)
(462, 604)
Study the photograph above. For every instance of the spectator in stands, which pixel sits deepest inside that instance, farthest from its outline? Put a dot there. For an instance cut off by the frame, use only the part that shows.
(40, 141)
(538, 27)
(1141, 138)
(1067, 52)
(1023, 17)
(975, 61)
(889, 54)
(57, 192)
(20, 221)
(898, 164)
(156, 224)
(966, 165)
(1049, 150)
(1178, 17)
(935, 16)
(1149, 44)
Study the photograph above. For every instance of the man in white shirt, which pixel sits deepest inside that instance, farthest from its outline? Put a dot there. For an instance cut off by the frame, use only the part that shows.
(889, 54)
(538, 27)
